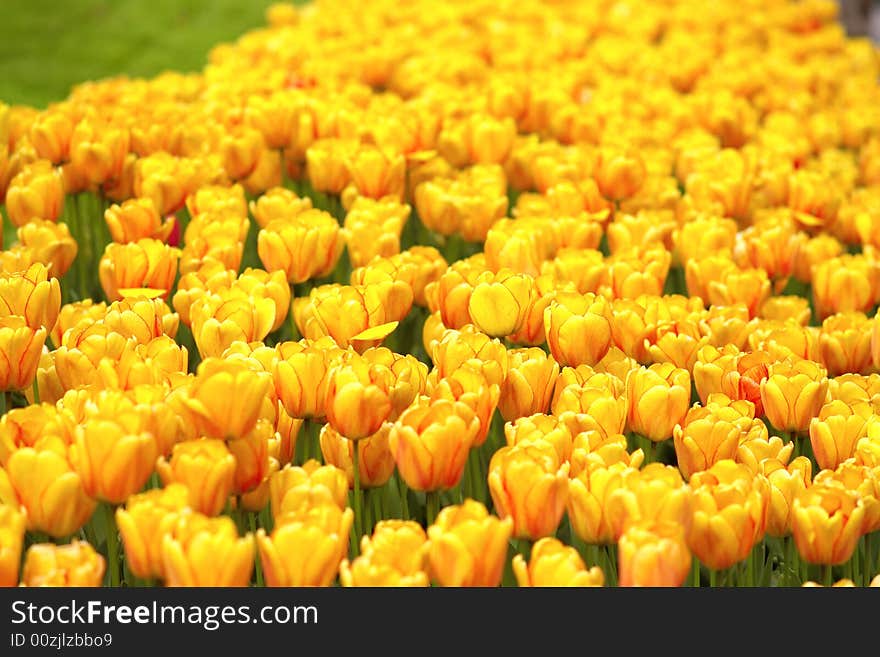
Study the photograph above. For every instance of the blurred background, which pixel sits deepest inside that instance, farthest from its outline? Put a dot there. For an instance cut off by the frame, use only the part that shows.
(46, 46)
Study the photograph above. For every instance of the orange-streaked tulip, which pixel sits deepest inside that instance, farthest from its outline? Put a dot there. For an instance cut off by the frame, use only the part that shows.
(530, 485)
(552, 563)
(31, 295)
(75, 564)
(468, 546)
(358, 398)
(20, 348)
(498, 305)
(295, 488)
(786, 483)
(590, 494)
(300, 376)
(836, 431)
(307, 245)
(36, 192)
(50, 244)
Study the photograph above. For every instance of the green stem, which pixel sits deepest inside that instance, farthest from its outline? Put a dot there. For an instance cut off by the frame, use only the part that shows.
(36, 389)
(378, 511)
(695, 572)
(358, 506)
(404, 499)
(112, 544)
(252, 520)
(432, 500)
(827, 576)
(4, 404)
(713, 577)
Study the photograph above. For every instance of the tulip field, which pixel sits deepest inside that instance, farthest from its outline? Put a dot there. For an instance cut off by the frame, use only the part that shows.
(460, 293)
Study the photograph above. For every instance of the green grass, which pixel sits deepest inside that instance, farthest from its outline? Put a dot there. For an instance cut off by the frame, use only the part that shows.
(47, 46)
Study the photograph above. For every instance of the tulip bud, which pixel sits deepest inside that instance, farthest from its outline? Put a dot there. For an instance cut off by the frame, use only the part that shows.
(358, 398)
(20, 347)
(306, 548)
(705, 437)
(98, 151)
(75, 564)
(653, 554)
(619, 175)
(470, 346)
(836, 431)
(541, 430)
(301, 376)
(553, 563)
(468, 546)
(498, 305)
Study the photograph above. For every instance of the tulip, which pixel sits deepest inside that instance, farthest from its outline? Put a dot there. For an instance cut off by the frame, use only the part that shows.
(619, 175)
(845, 284)
(836, 431)
(112, 461)
(529, 484)
(783, 308)
(143, 524)
(206, 468)
(864, 482)
(793, 394)
(49, 243)
(656, 492)
(498, 305)
(36, 192)
(553, 563)
(33, 426)
(589, 495)
(278, 203)
(327, 168)
(845, 344)
(307, 548)
(50, 490)
(200, 551)
(786, 483)
(146, 263)
(468, 385)
(137, 219)
(373, 228)
(12, 526)
(251, 453)
(730, 514)
(704, 438)
(468, 546)
(301, 376)
(395, 555)
(307, 245)
(295, 488)
(541, 430)
(20, 347)
(596, 408)
(358, 398)
(224, 399)
(653, 554)
(592, 450)
(659, 397)
(375, 460)
(75, 564)
(578, 329)
(827, 521)
(50, 135)
(529, 384)
(99, 151)
(430, 443)
(33, 296)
